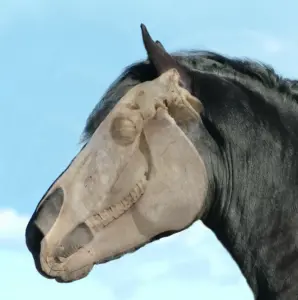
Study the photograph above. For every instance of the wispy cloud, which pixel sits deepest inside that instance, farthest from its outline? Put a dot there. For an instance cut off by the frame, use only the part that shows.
(20, 269)
(271, 43)
(195, 261)
(185, 260)
(12, 225)
(176, 289)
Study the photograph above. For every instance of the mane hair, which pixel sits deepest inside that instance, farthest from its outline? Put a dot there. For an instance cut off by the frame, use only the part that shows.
(254, 75)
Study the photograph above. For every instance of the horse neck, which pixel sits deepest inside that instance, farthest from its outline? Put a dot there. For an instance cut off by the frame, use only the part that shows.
(255, 217)
(255, 189)
(263, 244)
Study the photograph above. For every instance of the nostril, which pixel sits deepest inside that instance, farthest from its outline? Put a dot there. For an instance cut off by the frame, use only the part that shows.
(77, 238)
(43, 219)
(48, 211)
(55, 200)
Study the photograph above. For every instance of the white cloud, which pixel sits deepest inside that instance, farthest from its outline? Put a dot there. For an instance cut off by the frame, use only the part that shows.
(116, 281)
(151, 270)
(173, 289)
(12, 225)
(192, 262)
(271, 43)
(21, 281)
(187, 259)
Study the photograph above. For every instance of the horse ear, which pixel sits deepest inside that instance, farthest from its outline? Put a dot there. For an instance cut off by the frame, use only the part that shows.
(162, 60)
(160, 45)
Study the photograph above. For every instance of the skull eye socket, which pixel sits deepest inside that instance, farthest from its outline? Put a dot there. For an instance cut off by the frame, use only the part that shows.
(125, 129)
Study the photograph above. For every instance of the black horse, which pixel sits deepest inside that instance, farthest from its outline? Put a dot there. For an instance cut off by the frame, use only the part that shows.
(247, 137)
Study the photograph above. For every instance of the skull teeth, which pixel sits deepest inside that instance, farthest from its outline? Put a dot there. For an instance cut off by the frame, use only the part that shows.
(102, 219)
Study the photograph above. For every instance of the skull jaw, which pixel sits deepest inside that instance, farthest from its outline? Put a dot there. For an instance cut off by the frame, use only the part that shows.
(67, 267)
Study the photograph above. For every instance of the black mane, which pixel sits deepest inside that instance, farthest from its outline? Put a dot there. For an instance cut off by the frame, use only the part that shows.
(256, 75)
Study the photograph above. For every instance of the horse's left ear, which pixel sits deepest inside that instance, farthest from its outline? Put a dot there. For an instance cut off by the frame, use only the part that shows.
(162, 60)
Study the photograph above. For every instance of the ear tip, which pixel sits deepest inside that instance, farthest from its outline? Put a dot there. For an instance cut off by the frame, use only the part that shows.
(144, 30)
(143, 27)
(147, 40)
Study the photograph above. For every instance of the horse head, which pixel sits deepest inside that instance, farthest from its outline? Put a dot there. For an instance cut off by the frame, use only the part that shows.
(138, 177)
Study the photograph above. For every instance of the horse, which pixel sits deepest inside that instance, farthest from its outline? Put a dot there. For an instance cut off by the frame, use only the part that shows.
(177, 138)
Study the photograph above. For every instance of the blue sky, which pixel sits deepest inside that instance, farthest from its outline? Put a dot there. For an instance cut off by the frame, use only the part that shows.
(56, 60)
